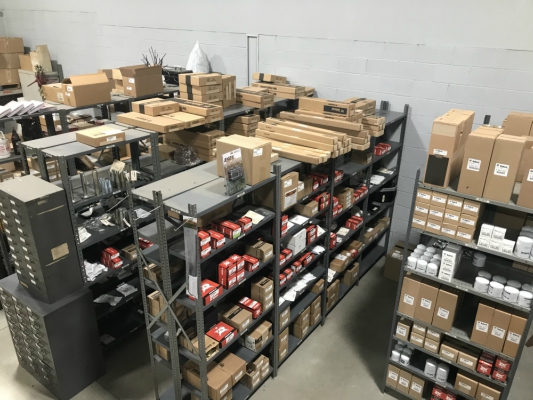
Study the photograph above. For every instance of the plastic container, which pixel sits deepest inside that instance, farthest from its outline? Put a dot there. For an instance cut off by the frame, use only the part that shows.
(485, 274)
(481, 285)
(421, 247)
(510, 294)
(411, 262)
(432, 269)
(499, 279)
(524, 298)
(523, 248)
(443, 371)
(479, 259)
(421, 266)
(431, 249)
(405, 359)
(431, 368)
(496, 289)
(415, 255)
(514, 284)
(395, 355)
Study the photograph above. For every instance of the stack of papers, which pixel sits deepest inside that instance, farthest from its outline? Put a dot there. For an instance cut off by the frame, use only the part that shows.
(19, 108)
(298, 286)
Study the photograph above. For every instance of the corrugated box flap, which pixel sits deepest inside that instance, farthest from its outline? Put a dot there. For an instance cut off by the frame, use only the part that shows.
(88, 79)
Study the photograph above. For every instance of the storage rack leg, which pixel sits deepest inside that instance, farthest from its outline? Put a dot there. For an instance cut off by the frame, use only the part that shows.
(276, 271)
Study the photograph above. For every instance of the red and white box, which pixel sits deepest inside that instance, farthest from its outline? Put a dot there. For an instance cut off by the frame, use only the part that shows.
(282, 260)
(245, 223)
(231, 281)
(499, 375)
(338, 175)
(287, 253)
(306, 259)
(289, 273)
(250, 263)
(332, 240)
(204, 239)
(145, 243)
(217, 239)
(109, 253)
(251, 305)
(502, 364)
(316, 184)
(210, 291)
(296, 266)
(222, 333)
(439, 392)
(240, 276)
(238, 261)
(337, 210)
(335, 201)
(320, 177)
(226, 269)
(205, 252)
(230, 229)
(483, 368)
(311, 232)
(450, 396)
(282, 279)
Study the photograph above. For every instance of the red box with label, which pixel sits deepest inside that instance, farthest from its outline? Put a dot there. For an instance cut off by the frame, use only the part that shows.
(282, 279)
(204, 239)
(210, 291)
(217, 239)
(316, 184)
(109, 253)
(337, 210)
(226, 269)
(237, 260)
(144, 243)
(379, 151)
(483, 368)
(335, 201)
(320, 177)
(296, 266)
(332, 240)
(450, 396)
(250, 263)
(306, 259)
(230, 229)
(499, 375)
(251, 305)
(338, 175)
(311, 233)
(288, 272)
(282, 260)
(439, 392)
(284, 220)
(245, 223)
(222, 333)
(287, 253)
(231, 281)
(502, 364)
(205, 252)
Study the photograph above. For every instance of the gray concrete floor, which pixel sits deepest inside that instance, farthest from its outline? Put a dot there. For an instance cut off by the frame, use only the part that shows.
(345, 359)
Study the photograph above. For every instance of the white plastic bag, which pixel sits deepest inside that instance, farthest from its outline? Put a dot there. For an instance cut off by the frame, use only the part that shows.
(198, 61)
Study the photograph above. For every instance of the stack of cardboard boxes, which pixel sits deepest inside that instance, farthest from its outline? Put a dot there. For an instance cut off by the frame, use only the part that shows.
(403, 381)
(244, 125)
(229, 90)
(254, 97)
(374, 124)
(449, 216)
(278, 86)
(10, 50)
(202, 140)
(332, 295)
(367, 106)
(202, 87)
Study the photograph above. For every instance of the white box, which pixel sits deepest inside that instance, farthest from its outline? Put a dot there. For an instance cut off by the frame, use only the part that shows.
(483, 242)
(445, 276)
(297, 242)
(495, 245)
(486, 231)
(498, 233)
(508, 246)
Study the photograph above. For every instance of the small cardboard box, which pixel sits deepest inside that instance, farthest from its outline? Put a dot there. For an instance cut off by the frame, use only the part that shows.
(431, 346)
(485, 392)
(515, 332)
(417, 339)
(518, 124)
(445, 308)
(300, 331)
(140, 80)
(155, 107)
(427, 298)
(421, 209)
(467, 359)
(218, 380)
(234, 366)
(9, 61)
(200, 79)
(199, 90)
(404, 382)
(255, 156)
(327, 106)
(419, 222)
(100, 136)
(197, 108)
(472, 208)
(465, 385)
(158, 124)
(503, 168)
(393, 374)
(424, 196)
(409, 295)
(498, 330)
(449, 351)
(11, 45)
(480, 332)
(263, 251)
(284, 337)
(403, 329)
(284, 317)
(53, 92)
(307, 210)
(259, 76)
(436, 213)
(417, 387)
(452, 216)
(454, 203)
(237, 317)
(303, 318)
(433, 226)
(289, 187)
(283, 351)
(84, 90)
(350, 276)
(190, 120)
(318, 287)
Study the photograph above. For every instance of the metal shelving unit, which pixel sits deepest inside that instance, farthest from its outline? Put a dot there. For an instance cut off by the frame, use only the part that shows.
(498, 264)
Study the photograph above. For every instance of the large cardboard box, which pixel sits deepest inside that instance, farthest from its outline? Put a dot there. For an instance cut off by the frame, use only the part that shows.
(234, 366)
(25, 62)
(518, 124)
(197, 108)
(410, 294)
(203, 98)
(466, 385)
(11, 45)
(255, 156)
(427, 298)
(200, 90)
(202, 137)
(514, 335)
(84, 90)
(525, 197)
(527, 154)
(9, 76)
(100, 136)
(53, 92)
(478, 152)
(158, 124)
(498, 330)
(445, 308)
(393, 262)
(140, 80)
(480, 332)
(417, 387)
(503, 168)
(10, 61)
(218, 380)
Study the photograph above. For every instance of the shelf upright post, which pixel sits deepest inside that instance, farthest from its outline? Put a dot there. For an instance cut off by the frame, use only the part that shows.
(402, 269)
(67, 187)
(24, 160)
(50, 126)
(398, 165)
(5, 255)
(275, 266)
(167, 290)
(327, 253)
(41, 160)
(140, 265)
(155, 155)
(63, 120)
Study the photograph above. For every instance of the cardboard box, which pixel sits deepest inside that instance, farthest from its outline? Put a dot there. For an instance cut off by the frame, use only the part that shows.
(449, 351)
(203, 98)
(525, 197)
(421, 209)
(237, 317)
(465, 384)
(452, 216)
(289, 187)
(327, 106)
(424, 196)
(454, 203)
(197, 108)
(189, 120)
(100, 136)
(431, 346)
(283, 90)
(11, 45)
(261, 250)
(53, 92)
(527, 154)
(200, 79)
(218, 380)
(419, 222)
(199, 90)
(303, 318)
(25, 62)
(284, 317)
(350, 276)
(433, 226)
(417, 339)
(393, 373)
(9, 76)
(436, 213)
(229, 90)
(403, 329)
(269, 78)
(10, 61)
(84, 90)
(404, 382)
(421, 330)
(255, 156)
(478, 153)
(307, 210)
(515, 332)
(417, 387)
(503, 168)
(140, 80)
(234, 366)
(283, 351)
(155, 107)
(409, 295)
(480, 332)
(498, 330)
(158, 124)
(518, 124)
(445, 308)
(283, 337)
(485, 392)
(318, 287)
(300, 331)
(427, 295)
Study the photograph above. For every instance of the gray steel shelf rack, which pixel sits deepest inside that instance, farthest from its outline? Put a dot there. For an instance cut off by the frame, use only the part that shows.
(463, 281)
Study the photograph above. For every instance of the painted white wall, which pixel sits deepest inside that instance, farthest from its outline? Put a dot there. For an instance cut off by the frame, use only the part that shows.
(432, 55)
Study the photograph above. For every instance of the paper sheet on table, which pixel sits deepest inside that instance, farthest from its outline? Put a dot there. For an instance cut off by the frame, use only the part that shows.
(255, 217)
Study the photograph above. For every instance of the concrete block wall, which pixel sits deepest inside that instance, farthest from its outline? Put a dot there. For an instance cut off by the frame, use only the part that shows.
(457, 60)
(431, 79)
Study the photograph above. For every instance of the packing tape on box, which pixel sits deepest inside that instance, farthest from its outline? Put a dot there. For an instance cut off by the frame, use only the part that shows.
(261, 76)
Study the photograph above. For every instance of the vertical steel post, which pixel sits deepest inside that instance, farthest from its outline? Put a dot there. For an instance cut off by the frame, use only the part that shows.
(327, 253)
(275, 266)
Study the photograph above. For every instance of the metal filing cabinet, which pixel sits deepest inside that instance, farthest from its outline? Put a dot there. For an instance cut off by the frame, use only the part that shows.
(57, 343)
(39, 233)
